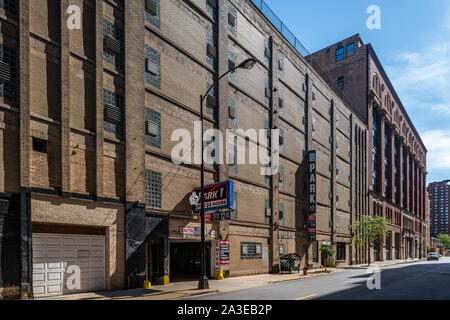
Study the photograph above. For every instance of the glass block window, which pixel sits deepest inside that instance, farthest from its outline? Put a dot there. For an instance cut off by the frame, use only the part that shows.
(232, 168)
(280, 64)
(268, 92)
(232, 19)
(232, 112)
(211, 106)
(251, 250)
(153, 67)
(281, 140)
(268, 52)
(232, 62)
(281, 249)
(153, 12)
(281, 182)
(281, 101)
(267, 212)
(110, 55)
(8, 89)
(153, 186)
(113, 112)
(211, 43)
(234, 211)
(281, 213)
(9, 6)
(211, 7)
(152, 128)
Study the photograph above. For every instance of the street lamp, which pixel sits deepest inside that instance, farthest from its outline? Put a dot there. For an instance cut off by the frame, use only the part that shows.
(203, 282)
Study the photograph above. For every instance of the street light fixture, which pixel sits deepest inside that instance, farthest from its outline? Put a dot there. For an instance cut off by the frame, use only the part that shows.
(203, 282)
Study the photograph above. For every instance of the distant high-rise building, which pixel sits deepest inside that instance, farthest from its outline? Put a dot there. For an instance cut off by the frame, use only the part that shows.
(439, 205)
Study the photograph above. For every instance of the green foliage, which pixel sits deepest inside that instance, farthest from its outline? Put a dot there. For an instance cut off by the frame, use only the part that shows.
(445, 240)
(326, 252)
(369, 230)
(428, 248)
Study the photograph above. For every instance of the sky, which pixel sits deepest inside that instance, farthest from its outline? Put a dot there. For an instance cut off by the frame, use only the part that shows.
(413, 45)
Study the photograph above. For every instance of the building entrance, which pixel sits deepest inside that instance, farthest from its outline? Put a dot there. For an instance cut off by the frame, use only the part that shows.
(185, 260)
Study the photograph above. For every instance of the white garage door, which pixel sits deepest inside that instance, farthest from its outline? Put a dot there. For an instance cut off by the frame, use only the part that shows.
(65, 264)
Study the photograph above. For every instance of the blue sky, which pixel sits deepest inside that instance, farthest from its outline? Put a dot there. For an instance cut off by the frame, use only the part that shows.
(413, 46)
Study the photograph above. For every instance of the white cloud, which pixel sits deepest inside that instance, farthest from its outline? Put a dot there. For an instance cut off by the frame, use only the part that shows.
(438, 145)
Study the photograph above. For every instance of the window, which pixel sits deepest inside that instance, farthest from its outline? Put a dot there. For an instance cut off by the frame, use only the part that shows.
(340, 251)
(281, 177)
(153, 67)
(152, 12)
(267, 212)
(8, 5)
(232, 113)
(350, 49)
(250, 250)
(232, 167)
(112, 44)
(211, 7)
(152, 128)
(281, 140)
(340, 83)
(113, 110)
(211, 101)
(232, 19)
(39, 145)
(339, 54)
(234, 211)
(8, 89)
(232, 62)
(211, 50)
(153, 186)
(281, 249)
(281, 213)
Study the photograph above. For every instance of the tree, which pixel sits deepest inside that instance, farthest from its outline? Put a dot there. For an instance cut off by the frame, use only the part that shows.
(445, 240)
(326, 253)
(368, 231)
(428, 248)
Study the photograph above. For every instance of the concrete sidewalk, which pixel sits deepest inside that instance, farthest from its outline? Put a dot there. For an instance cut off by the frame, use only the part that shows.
(179, 290)
(382, 264)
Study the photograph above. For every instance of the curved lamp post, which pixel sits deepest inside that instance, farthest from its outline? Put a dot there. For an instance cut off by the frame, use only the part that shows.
(203, 282)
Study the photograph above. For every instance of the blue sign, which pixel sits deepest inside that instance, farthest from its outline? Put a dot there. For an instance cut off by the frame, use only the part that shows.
(217, 196)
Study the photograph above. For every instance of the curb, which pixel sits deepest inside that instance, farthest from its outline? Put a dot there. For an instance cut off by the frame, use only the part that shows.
(303, 277)
(374, 265)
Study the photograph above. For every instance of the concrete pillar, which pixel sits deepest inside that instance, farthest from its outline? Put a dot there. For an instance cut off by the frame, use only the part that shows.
(99, 150)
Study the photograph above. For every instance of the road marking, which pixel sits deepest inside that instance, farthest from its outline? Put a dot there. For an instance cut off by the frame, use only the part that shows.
(306, 297)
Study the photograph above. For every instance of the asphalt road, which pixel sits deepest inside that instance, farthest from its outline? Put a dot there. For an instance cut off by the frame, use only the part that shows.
(416, 281)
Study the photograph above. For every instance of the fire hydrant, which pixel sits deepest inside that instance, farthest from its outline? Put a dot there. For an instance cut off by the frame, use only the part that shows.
(305, 271)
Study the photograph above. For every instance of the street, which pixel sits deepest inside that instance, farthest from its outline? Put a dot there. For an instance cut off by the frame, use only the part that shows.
(428, 280)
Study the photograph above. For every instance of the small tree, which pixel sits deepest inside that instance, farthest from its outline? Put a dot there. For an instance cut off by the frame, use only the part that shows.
(326, 253)
(445, 240)
(428, 248)
(368, 231)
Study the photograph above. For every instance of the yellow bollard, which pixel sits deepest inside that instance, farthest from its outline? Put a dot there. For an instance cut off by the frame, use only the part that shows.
(147, 284)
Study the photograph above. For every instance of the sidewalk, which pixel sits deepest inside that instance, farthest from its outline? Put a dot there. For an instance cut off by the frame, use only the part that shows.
(179, 290)
(381, 263)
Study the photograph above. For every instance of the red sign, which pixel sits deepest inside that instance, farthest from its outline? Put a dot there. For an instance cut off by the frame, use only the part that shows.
(224, 252)
(207, 217)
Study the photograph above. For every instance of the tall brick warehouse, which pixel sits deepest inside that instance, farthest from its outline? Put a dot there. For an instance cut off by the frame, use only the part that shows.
(397, 155)
(86, 120)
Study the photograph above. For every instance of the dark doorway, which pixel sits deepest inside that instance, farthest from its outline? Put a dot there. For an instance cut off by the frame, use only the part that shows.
(185, 261)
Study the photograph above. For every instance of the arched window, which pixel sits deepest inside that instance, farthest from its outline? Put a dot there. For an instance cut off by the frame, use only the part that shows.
(376, 84)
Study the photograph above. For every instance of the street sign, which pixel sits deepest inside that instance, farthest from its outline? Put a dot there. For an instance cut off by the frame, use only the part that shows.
(312, 201)
(217, 197)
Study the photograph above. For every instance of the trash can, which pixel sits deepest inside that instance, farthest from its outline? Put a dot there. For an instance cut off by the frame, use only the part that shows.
(290, 262)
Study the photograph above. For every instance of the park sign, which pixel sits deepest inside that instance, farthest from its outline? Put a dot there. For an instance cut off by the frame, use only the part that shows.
(312, 192)
(218, 196)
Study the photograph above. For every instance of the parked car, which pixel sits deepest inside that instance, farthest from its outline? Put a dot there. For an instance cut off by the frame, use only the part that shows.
(433, 256)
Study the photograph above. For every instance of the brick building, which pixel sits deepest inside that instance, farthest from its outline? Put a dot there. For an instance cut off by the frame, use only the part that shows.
(439, 206)
(397, 155)
(87, 116)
